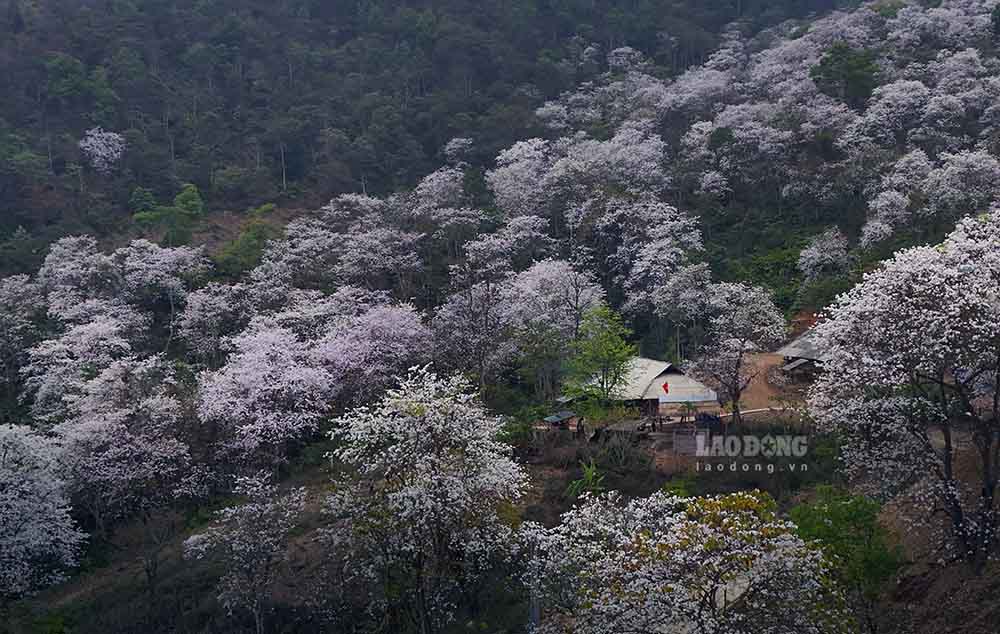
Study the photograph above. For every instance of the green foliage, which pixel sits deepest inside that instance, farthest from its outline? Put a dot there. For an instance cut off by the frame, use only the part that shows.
(247, 249)
(67, 77)
(684, 485)
(777, 269)
(846, 527)
(822, 292)
(847, 74)
(18, 161)
(600, 413)
(141, 201)
(518, 431)
(601, 354)
(592, 481)
(22, 252)
(889, 8)
(52, 623)
(176, 220)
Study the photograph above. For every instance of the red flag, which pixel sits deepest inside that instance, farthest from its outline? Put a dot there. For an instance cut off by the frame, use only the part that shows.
(666, 388)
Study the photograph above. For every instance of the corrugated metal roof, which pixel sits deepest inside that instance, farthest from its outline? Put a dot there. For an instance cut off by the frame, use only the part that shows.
(680, 389)
(559, 417)
(794, 365)
(646, 378)
(806, 346)
(641, 373)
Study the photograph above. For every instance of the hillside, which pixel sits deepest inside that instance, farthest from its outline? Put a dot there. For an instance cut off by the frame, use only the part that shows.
(295, 102)
(369, 317)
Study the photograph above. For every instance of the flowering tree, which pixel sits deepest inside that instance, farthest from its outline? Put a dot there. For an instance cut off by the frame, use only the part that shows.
(288, 369)
(491, 257)
(913, 374)
(743, 320)
(473, 331)
(440, 189)
(80, 281)
(269, 395)
(250, 539)
(458, 149)
(21, 305)
(547, 304)
(58, 368)
(380, 258)
(370, 351)
(103, 149)
(665, 564)
(515, 181)
(424, 510)
(75, 271)
(965, 182)
(652, 242)
(211, 314)
(39, 540)
(148, 274)
(122, 449)
(825, 254)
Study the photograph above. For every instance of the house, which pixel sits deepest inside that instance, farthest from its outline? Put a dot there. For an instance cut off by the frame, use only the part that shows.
(659, 388)
(803, 354)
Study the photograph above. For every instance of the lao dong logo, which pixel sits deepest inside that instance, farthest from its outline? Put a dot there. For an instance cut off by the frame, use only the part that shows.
(770, 446)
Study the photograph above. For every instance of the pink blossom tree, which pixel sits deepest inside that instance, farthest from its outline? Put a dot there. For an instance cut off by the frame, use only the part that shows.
(269, 396)
(123, 453)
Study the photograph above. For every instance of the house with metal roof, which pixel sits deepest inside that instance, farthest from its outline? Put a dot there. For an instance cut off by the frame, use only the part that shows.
(805, 352)
(659, 388)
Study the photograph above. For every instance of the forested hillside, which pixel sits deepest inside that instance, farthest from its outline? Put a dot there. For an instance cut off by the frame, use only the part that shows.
(294, 102)
(455, 219)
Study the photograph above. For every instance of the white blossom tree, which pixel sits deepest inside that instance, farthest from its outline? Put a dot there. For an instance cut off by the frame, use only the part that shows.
(424, 508)
(457, 150)
(473, 331)
(102, 149)
(826, 253)
(912, 376)
(251, 541)
(21, 308)
(515, 182)
(744, 320)
(210, 315)
(58, 368)
(671, 564)
(75, 271)
(39, 540)
(546, 304)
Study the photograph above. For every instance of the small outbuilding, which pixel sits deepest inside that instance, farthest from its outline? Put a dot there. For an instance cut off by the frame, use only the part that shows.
(803, 354)
(563, 419)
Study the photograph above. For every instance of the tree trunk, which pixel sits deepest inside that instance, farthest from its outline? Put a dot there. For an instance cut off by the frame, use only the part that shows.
(284, 174)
